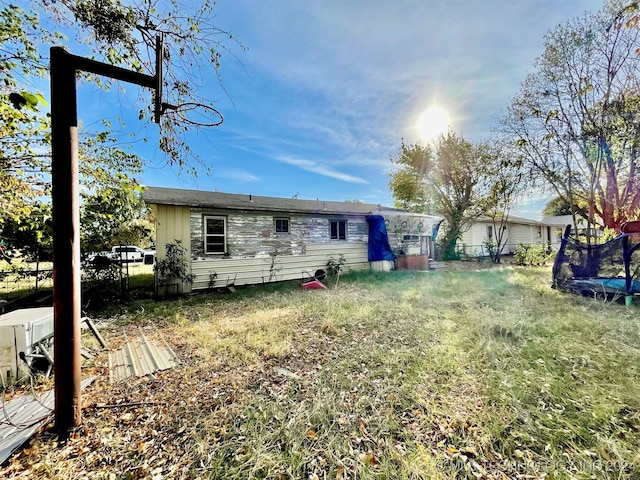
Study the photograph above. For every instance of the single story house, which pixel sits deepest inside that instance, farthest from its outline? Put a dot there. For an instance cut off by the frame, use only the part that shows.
(247, 239)
(519, 231)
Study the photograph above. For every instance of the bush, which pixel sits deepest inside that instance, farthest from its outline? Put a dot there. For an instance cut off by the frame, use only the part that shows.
(103, 283)
(335, 266)
(174, 268)
(531, 254)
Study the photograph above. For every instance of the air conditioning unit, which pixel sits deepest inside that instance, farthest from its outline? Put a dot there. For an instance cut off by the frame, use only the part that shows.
(20, 332)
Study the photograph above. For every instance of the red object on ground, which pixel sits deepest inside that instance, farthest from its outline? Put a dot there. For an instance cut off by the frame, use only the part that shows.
(313, 285)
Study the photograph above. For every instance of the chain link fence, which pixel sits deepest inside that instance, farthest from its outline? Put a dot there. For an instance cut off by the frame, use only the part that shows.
(20, 280)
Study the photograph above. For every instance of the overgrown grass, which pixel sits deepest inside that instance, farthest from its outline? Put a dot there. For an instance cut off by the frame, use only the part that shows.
(466, 374)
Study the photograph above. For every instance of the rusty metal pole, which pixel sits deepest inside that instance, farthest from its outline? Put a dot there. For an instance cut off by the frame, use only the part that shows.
(66, 240)
(65, 196)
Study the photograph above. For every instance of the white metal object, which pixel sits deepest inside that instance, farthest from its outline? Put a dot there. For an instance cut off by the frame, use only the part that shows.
(131, 253)
(20, 331)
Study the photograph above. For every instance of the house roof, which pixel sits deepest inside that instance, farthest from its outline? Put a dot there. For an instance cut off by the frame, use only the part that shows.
(563, 220)
(234, 201)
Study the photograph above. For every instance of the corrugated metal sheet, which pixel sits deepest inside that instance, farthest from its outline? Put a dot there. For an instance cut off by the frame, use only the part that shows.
(22, 416)
(140, 357)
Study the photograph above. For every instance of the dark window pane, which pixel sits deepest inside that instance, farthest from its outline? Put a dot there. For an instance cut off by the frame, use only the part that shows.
(215, 245)
(215, 226)
(282, 225)
(338, 229)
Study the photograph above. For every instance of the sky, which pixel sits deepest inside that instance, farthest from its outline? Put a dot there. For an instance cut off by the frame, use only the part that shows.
(326, 90)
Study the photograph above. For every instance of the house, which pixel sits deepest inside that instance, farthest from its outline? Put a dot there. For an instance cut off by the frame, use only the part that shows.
(247, 239)
(519, 231)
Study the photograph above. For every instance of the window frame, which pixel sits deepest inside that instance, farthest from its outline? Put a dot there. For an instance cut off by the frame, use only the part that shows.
(205, 235)
(337, 222)
(275, 224)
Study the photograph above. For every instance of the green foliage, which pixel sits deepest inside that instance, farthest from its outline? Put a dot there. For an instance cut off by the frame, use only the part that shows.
(406, 182)
(121, 33)
(335, 266)
(531, 254)
(449, 179)
(175, 266)
(114, 215)
(124, 34)
(557, 206)
(492, 249)
(30, 235)
(23, 125)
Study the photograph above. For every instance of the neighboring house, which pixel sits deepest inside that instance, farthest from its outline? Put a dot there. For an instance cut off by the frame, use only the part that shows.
(246, 239)
(519, 231)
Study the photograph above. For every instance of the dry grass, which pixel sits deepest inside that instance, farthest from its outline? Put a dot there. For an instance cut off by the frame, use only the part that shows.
(466, 374)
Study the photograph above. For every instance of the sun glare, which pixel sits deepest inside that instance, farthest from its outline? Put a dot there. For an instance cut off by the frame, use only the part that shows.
(432, 123)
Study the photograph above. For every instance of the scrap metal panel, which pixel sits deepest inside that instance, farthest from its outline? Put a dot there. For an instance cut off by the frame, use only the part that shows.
(139, 358)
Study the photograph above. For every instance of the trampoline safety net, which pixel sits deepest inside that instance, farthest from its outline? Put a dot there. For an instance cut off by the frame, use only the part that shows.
(607, 269)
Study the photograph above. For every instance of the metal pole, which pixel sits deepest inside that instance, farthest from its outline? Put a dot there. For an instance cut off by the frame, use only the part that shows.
(65, 201)
(66, 240)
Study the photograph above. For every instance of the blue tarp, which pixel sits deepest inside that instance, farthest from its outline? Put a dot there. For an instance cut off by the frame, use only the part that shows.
(434, 232)
(379, 248)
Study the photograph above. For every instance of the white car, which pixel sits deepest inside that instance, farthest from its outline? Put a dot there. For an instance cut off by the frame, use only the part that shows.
(131, 253)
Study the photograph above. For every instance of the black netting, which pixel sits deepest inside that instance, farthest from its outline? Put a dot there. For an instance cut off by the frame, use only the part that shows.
(610, 268)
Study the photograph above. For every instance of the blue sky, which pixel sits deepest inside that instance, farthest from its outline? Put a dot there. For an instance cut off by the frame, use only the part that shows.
(326, 90)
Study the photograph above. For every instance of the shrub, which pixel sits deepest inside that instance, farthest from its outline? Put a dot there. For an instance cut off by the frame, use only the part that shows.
(336, 265)
(531, 254)
(174, 268)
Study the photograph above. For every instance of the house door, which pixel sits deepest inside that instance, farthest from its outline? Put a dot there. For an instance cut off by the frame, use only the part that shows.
(425, 245)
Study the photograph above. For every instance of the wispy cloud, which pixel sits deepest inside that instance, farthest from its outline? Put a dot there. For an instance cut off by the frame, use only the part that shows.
(314, 167)
(331, 88)
(240, 175)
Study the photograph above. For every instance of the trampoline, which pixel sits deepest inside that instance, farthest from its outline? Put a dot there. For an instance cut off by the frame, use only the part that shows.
(609, 269)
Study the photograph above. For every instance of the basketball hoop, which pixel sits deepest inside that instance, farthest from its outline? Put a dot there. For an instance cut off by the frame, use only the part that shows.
(194, 113)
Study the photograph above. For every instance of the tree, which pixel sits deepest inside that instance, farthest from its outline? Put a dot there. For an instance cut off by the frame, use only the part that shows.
(114, 215)
(448, 179)
(124, 33)
(576, 121)
(121, 33)
(23, 127)
(557, 206)
(31, 236)
(504, 185)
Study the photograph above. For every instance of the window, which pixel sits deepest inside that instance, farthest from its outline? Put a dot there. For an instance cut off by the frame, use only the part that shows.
(338, 229)
(490, 232)
(282, 225)
(215, 240)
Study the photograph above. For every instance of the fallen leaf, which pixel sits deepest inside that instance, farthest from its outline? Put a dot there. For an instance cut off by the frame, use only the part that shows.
(368, 459)
(126, 417)
(311, 434)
